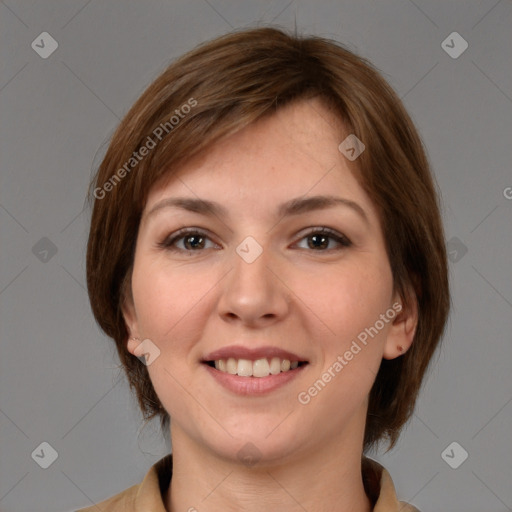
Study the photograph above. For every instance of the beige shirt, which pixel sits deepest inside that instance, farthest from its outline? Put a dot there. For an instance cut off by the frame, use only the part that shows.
(148, 496)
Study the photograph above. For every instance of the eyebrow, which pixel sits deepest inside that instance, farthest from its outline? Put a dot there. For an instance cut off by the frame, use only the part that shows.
(306, 204)
(292, 207)
(202, 206)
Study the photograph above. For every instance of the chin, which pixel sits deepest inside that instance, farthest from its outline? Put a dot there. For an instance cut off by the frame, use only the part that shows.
(257, 441)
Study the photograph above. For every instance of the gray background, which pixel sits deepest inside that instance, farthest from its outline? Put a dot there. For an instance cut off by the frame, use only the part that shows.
(59, 380)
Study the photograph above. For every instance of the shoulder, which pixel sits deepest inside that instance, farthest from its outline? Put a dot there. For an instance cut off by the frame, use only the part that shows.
(381, 490)
(122, 502)
(148, 495)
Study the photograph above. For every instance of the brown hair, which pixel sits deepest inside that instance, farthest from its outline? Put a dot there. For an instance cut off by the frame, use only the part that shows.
(227, 84)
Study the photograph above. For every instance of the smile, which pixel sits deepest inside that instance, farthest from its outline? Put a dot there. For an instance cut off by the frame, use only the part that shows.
(255, 370)
(259, 368)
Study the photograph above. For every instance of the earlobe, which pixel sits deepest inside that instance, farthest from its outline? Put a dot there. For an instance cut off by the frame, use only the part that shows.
(402, 331)
(132, 345)
(130, 320)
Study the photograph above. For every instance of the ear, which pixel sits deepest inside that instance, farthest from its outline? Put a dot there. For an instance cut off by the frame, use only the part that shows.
(403, 328)
(130, 319)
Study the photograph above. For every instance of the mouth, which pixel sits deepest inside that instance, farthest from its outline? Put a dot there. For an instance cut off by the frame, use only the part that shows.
(258, 368)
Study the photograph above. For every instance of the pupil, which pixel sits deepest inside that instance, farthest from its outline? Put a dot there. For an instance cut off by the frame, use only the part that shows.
(194, 241)
(318, 242)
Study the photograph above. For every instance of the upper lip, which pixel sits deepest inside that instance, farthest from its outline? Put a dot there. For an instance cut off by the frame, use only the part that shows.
(240, 352)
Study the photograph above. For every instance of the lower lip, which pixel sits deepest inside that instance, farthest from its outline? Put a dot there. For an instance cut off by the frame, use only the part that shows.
(253, 385)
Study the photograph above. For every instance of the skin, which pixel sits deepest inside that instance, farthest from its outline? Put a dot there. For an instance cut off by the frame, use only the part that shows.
(308, 300)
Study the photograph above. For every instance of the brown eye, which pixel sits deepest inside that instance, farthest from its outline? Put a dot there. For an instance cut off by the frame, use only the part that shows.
(318, 241)
(187, 240)
(323, 240)
(193, 242)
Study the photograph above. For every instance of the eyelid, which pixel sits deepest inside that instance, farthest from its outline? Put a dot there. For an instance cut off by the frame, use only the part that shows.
(169, 241)
(340, 238)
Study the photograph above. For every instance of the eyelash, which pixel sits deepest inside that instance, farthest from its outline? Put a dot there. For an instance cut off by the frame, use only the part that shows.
(181, 234)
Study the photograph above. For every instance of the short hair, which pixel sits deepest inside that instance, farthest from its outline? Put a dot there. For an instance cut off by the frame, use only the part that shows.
(219, 88)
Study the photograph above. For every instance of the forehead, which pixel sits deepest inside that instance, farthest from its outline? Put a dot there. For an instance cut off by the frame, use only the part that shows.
(291, 153)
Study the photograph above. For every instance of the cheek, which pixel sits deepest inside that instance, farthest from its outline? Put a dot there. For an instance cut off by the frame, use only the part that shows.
(351, 304)
(348, 300)
(165, 296)
(172, 307)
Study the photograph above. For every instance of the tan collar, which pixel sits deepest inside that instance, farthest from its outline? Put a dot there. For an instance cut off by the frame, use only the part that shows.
(380, 489)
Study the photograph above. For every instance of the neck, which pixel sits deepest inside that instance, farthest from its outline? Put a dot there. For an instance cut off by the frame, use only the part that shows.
(326, 478)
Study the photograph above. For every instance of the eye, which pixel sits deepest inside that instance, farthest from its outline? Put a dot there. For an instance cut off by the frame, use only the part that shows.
(188, 239)
(323, 240)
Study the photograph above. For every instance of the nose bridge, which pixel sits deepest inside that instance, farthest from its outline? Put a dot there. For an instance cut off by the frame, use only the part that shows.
(250, 263)
(252, 292)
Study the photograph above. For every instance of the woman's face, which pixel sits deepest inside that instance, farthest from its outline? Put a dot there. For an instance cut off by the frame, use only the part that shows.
(262, 253)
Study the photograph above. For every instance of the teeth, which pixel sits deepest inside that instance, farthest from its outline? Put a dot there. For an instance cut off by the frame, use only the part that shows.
(275, 366)
(231, 366)
(244, 368)
(259, 368)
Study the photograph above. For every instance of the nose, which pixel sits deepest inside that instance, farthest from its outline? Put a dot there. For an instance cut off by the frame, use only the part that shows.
(253, 294)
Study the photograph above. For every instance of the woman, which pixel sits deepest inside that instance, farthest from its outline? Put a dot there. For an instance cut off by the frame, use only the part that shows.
(267, 252)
